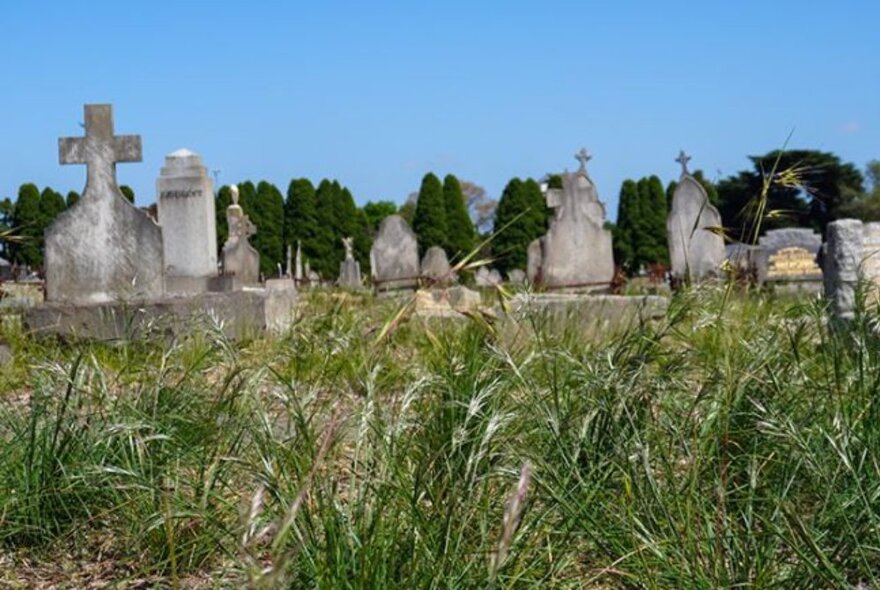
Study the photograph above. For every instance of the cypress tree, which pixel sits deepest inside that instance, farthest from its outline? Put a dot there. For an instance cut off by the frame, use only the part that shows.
(223, 201)
(127, 192)
(72, 199)
(654, 208)
(268, 216)
(520, 218)
(325, 258)
(27, 220)
(300, 217)
(51, 206)
(459, 227)
(429, 221)
(624, 246)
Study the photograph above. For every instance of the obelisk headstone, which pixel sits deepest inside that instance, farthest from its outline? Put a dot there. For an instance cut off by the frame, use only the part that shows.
(103, 248)
(696, 251)
(188, 220)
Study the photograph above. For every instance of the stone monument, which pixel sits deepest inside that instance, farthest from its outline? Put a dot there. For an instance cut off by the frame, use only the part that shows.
(240, 260)
(696, 251)
(188, 221)
(850, 261)
(436, 270)
(575, 254)
(789, 257)
(349, 269)
(394, 257)
(102, 249)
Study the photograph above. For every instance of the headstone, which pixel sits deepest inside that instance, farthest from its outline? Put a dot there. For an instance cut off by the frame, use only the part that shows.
(189, 223)
(435, 267)
(288, 267)
(789, 255)
(851, 255)
(349, 269)
(394, 257)
(575, 254)
(486, 277)
(240, 260)
(533, 264)
(298, 274)
(516, 277)
(5, 270)
(6, 356)
(695, 251)
(103, 248)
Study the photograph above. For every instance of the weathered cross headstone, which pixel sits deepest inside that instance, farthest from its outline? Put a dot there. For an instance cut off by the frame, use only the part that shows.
(349, 269)
(850, 257)
(575, 254)
(394, 257)
(103, 248)
(695, 250)
(435, 267)
(188, 220)
(240, 260)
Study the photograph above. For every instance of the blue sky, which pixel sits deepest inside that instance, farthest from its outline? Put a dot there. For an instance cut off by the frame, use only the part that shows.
(378, 93)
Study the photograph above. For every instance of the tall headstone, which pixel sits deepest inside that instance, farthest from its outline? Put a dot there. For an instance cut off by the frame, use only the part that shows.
(240, 260)
(575, 254)
(188, 220)
(103, 248)
(850, 257)
(435, 267)
(394, 257)
(696, 251)
(349, 269)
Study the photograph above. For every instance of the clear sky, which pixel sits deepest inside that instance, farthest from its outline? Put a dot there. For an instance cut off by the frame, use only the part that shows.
(376, 94)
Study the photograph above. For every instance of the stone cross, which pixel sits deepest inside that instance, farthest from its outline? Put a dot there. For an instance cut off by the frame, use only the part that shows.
(99, 150)
(683, 159)
(349, 245)
(583, 157)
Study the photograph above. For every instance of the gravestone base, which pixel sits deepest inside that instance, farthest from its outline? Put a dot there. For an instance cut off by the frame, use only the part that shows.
(241, 314)
(589, 315)
(804, 286)
(446, 303)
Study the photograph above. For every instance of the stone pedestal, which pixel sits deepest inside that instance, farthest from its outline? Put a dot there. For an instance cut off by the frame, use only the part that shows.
(189, 225)
(350, 274)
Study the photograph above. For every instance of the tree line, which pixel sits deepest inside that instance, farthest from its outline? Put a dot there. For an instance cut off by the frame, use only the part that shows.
(798, 188)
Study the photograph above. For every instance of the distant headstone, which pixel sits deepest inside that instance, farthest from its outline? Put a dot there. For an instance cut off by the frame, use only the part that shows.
(695, 251)
(349, 269)
(298, 274)
(788, 255)
(575, 254)
(189, 223)
(516, 277)
(6, 356)
(5, 270)
(103, 248)
(394, 256)
(851, 254)
(435, 267)
(486, 277)
(240, 260)
(534, 254)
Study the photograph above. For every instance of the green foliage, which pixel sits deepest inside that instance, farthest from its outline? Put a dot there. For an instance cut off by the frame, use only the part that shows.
(221, 203)
(521, 217)
(29, 221)
(72, 199)
(460, 232)
(624, 244)
(429, 221)
(376, 211)
(265, 206)
(52, 204)
(127, 192)
(408, 211)
(803, 188)
(867, 206)
(300, 217)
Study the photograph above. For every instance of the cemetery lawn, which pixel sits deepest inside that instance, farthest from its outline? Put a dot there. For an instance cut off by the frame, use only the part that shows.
(734, 444)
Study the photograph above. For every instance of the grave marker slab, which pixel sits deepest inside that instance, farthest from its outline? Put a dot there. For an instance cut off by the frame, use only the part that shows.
(240, 260)
(103, 248)
(349, 269)
(394, 256)
(435, 267)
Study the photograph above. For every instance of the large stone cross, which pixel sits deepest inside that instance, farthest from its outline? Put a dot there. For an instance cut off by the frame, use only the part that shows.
(99, 150)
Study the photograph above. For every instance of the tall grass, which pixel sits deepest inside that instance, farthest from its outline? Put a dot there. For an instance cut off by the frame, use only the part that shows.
(734, 444)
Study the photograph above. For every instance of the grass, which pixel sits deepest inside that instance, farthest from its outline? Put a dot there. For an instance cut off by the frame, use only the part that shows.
(734, 444)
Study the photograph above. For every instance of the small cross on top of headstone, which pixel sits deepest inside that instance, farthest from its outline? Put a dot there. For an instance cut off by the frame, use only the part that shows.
(583, 157)
(683, 159)
(99, 150)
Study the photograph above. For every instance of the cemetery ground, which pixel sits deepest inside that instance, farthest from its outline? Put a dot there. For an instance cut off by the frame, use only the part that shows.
(734, 443)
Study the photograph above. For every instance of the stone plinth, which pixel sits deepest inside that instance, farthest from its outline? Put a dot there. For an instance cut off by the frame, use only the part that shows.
(850, 261)
(446, 303)
(243, 313)
(188, 220)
